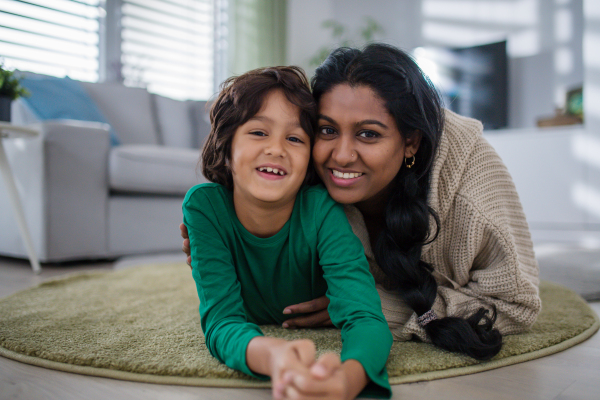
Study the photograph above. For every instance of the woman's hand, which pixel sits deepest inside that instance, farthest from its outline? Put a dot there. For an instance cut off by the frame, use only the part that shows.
(328, 378)
(186, 243)
(315, 311)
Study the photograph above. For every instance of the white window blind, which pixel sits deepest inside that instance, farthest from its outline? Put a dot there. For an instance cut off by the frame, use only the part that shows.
(53, 37)
(167, 46)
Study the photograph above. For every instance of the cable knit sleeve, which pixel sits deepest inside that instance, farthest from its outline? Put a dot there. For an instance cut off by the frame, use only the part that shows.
(483, 255)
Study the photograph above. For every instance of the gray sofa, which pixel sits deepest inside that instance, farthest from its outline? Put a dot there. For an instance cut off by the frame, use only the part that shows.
(84, 199)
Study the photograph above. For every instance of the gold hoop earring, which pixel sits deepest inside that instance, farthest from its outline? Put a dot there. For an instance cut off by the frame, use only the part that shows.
(411, 164)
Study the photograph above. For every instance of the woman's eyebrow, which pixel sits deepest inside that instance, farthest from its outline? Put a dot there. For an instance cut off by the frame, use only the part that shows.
(371, 122)
(359, 123)
(326, 118)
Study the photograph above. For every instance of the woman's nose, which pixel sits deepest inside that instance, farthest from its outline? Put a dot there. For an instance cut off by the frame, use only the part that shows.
(343, 153)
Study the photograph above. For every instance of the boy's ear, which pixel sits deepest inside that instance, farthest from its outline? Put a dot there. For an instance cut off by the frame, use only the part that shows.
(412, 143)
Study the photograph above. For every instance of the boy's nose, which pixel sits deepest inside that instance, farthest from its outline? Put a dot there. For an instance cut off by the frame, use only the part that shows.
(275, 148)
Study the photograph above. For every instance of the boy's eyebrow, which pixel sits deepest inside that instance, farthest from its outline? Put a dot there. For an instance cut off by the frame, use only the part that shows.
(359, 123)
(270, 120)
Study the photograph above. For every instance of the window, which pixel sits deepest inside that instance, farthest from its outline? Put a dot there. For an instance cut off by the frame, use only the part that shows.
(52, 37)
(166, 46)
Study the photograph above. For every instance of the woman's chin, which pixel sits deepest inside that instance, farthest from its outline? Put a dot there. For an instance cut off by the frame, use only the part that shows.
(343, 195)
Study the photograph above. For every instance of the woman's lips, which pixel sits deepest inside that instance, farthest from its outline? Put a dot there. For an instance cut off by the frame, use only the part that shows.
(340, 181)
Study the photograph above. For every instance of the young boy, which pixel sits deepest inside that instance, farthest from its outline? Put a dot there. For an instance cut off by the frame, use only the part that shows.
(262, 239)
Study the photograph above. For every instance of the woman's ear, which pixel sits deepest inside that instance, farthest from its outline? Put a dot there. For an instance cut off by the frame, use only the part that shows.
(411, 144)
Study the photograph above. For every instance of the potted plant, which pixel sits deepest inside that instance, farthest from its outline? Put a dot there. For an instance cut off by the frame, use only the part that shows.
(342, 37)
(10, 89)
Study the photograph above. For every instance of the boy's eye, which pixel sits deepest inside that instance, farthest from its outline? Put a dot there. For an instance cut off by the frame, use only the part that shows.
(258, 133)
(295, 139)
(369, 135)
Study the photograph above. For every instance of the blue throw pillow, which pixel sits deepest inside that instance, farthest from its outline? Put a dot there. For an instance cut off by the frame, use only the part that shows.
(62, 98)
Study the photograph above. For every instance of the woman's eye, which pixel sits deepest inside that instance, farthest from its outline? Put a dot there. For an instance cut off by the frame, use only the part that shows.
(369, 135)
(325, 130)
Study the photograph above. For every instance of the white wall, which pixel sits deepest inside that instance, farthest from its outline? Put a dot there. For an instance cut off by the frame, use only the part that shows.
(304, 32)
(306, 35)
(530, 94)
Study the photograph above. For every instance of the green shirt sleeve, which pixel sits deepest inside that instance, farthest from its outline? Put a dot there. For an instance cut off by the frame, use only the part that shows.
(354, 306)
(224, 322)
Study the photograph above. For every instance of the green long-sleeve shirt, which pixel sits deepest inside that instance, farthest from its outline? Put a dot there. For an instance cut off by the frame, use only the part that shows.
(244, 281)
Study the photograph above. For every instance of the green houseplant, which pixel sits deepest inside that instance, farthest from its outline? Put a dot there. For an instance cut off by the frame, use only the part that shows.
(341, 36)
(10, 89)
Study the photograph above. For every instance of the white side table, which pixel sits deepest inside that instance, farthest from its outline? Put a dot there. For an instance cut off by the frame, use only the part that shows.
(12, 131)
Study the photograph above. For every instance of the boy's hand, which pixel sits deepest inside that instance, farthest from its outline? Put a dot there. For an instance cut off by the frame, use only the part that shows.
(274, 357)
(328, 378)
(316, 314)
(186, 243)
(296, 355)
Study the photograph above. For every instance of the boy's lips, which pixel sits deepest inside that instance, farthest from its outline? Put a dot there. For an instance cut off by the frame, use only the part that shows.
(271, 171)
(275, 168)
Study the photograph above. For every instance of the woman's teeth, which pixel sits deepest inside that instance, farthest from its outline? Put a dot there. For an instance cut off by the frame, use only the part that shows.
(346, 175)
(273, 170)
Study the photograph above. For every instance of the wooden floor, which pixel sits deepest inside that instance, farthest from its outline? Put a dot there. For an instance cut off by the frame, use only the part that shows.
(571, 374)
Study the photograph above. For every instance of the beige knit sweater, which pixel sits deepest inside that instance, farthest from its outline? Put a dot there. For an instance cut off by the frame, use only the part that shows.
(483, 254)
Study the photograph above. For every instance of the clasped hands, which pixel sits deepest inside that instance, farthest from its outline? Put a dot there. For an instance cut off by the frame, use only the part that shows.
(296, 374)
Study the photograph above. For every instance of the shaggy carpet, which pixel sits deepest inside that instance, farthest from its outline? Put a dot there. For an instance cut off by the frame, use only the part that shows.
(142, 324)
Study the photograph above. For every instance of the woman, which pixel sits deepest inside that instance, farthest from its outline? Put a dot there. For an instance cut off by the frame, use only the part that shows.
(431, 201)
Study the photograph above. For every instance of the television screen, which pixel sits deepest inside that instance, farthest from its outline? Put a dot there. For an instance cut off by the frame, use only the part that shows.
(473, 81)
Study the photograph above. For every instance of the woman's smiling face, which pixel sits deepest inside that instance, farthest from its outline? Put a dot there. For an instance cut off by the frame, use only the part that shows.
(358, 148)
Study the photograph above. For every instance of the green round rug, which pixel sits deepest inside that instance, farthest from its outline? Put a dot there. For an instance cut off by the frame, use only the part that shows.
(142, 324)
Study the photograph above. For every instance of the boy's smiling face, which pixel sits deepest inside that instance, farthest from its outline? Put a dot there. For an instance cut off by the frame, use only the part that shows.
(270, 153)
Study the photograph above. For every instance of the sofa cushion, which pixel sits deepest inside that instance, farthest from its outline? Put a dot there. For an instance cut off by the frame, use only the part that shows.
(21, 114)
(201, 121)
(174, 119)
(129, 110)
(153, 169)
(54, 98)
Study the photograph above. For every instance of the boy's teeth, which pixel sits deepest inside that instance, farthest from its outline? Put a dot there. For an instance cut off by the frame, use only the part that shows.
(346, 175)
(273, 170)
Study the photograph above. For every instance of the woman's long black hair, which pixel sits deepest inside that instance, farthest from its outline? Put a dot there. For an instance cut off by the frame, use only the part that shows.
(416, 107)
